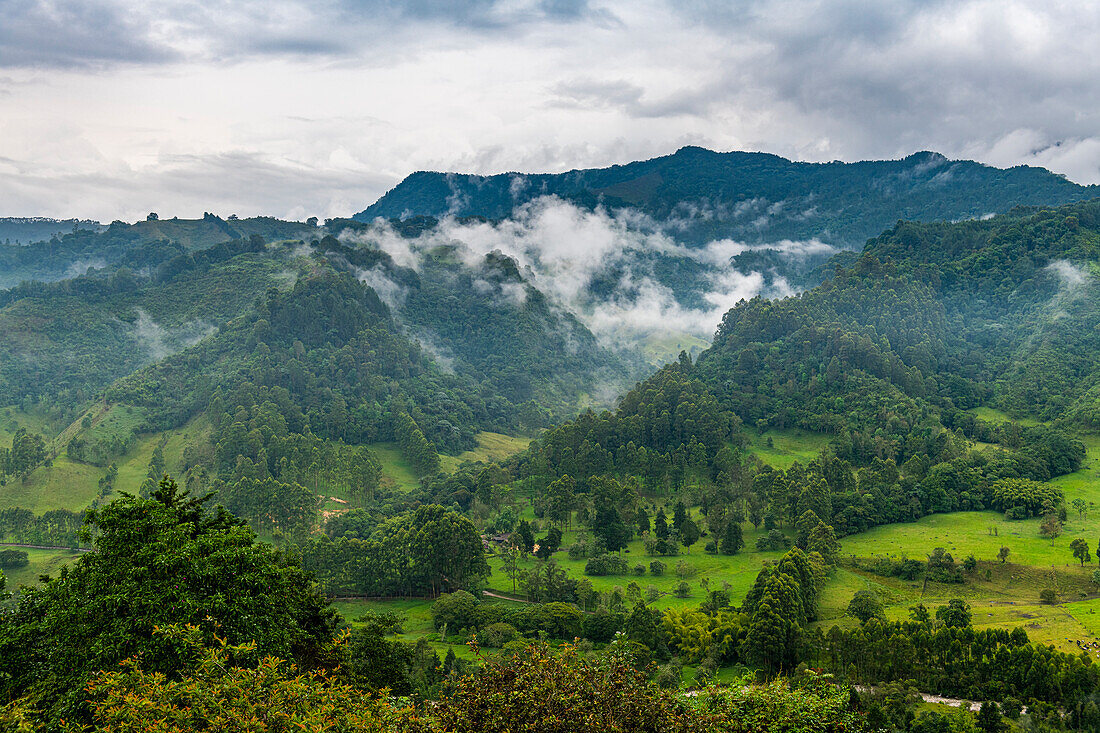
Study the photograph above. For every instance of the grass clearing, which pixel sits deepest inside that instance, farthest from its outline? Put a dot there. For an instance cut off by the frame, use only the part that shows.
(787, 446)
(660, 349)
(990, 414)
(490, 447)
(65, 484)
(12, 418)
(41, 562)
(735, 572)
(397, 474)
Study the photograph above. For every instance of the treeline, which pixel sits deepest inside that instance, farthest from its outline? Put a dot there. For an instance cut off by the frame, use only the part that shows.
(418, 553)
(59, 527)
(26, 452)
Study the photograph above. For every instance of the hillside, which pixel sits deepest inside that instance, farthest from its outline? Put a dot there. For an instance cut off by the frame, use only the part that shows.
(28, 229)
(698, 195)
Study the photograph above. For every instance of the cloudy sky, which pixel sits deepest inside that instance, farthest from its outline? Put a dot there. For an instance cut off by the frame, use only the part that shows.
(110, 109)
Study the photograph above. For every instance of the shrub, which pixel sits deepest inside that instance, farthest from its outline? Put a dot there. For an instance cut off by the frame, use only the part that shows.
(12, 559)
(1015, 495)
(773, 540)
(606, 565)
(639, 569)
(658, 568)
(498, 634)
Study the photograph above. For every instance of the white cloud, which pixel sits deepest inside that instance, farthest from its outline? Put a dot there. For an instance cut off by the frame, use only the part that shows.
(563, 249)
(160, 342)
(113, 109)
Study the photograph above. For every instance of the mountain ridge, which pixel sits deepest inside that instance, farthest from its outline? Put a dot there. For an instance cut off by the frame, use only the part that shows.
(697, 194)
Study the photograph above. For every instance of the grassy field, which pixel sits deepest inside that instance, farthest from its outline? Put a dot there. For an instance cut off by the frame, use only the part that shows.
(737, 572)
(397, 474)
(787, 446)
(65, 484)
(490, 447)
(42, 562)
(660, 349)
(12, 418)
(991, 415)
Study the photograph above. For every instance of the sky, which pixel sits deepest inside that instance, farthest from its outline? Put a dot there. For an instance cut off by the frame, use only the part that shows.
(294, 108)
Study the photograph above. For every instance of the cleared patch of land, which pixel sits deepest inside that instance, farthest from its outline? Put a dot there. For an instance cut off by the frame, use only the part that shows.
(781, 448)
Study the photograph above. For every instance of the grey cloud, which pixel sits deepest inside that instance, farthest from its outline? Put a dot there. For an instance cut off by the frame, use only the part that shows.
(83, 34)
(71, 33)
(241, 183)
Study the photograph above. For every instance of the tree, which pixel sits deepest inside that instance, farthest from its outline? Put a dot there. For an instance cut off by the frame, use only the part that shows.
(641, 520)
(1048, 596)
(660, 525)
(1051, 526)
(1080, 550)
(1081, 507)
(772, 637)
(229, 689)
(157, 561)
(732, 539)
(610, 528)
(806, 522)
(989, 718)
(561, 500)
(1002, 554)
(919, 613)
(865, 606)
(955, 614)
(689, 532)
(824, 542)
(525, 538)
(542, 691)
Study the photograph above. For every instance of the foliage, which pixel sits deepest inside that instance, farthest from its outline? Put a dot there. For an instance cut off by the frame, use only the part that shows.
(229, 688)
(544, 692)
(422, 552)
(157, 561)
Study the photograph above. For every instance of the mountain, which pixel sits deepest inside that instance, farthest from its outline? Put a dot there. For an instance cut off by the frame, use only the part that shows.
(50, 258)
(697, 195)
(27, 229)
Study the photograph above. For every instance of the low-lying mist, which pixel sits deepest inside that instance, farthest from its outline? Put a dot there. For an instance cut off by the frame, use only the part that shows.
(623, 274)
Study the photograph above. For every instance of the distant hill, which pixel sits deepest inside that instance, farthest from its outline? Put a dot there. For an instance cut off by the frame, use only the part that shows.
(701, 195)
(27, 229)
(76, 251)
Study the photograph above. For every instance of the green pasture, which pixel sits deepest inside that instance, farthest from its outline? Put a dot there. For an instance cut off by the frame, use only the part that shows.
(490, 447)
(41, 562)
(65, 484)
(737, 572)
(397, 474)
(787, 446)
(660, 349)
(35, 421)
(990, 414)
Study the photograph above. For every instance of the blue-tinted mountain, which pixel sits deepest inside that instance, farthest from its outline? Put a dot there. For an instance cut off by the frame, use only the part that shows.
(701, 195)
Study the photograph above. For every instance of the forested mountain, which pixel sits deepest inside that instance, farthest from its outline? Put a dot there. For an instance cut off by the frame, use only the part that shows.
(143, 244)
(27, 229)
(334, 391)
(698, 195)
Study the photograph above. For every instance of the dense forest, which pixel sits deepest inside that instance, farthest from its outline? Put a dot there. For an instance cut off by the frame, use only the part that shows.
(750, 197)
(267, 449)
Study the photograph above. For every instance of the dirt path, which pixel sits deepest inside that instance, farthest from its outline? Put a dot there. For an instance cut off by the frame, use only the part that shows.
(45, 547)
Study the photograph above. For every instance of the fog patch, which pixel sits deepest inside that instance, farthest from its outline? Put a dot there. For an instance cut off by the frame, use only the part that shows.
(564, 251)
(81, 267)
(393, 294)
(160, 342)
(1071, 276)
(302, 249)
(436, 351)
(382, 235)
